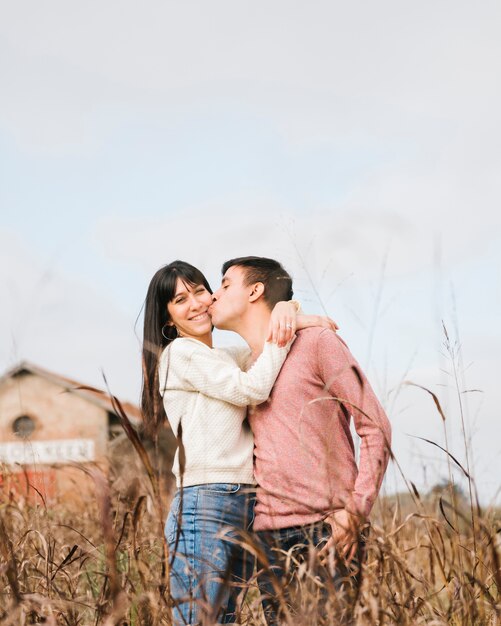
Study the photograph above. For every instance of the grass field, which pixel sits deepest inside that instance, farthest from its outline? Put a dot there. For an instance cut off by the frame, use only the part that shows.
(431, 560)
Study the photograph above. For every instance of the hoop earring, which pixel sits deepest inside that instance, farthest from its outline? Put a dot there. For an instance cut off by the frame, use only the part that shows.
(165, 336)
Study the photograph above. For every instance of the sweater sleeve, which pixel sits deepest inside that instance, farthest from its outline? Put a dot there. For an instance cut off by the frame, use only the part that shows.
(197, 368)
(346, 382)
(239, 354)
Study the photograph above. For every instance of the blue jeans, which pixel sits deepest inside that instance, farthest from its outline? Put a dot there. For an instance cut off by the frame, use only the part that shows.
(204, 529)
(284, 551)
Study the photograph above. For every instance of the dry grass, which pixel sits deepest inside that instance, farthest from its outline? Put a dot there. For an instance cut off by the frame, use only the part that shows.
(432, 560)
(427, 564)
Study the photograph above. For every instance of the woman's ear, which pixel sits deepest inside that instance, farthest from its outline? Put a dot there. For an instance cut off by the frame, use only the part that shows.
(257, 290)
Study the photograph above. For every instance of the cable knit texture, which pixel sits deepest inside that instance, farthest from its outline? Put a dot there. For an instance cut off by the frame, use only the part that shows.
(304, 454)
(206, 391)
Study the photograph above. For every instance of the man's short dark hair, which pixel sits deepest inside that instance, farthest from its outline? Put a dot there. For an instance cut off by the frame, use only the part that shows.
(277, 282)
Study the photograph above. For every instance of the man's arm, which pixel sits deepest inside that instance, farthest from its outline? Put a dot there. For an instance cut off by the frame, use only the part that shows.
(345, 381)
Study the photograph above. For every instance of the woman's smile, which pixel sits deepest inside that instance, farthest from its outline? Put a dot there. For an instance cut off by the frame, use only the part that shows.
(199, 317)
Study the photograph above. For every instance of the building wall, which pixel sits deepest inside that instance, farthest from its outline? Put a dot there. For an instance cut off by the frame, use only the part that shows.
(58, 415)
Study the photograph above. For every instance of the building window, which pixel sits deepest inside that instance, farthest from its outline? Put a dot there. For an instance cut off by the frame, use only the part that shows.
(114, 426)
(23, 426)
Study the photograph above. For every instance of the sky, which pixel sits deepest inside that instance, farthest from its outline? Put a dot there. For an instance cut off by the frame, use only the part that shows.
(358, 143)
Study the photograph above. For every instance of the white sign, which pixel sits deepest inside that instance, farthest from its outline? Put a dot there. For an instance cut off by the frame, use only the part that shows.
(46, 452)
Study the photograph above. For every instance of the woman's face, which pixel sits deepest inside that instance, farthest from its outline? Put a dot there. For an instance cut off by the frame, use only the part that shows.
(188, 311)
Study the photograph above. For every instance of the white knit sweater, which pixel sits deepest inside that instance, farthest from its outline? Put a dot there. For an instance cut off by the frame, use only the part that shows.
(206, 390)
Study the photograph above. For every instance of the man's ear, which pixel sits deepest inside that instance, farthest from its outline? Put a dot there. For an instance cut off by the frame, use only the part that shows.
(257, 290)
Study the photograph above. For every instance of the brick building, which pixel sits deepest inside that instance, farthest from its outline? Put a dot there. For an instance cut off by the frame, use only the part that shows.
(52, 430)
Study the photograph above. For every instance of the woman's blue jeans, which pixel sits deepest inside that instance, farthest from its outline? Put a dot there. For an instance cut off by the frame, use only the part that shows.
(208, 565)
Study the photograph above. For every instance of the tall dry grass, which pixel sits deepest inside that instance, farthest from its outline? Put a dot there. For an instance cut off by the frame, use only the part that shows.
(427, 563)
(431, 559)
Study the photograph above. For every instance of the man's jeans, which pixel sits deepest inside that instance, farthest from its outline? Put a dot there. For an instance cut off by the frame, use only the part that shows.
(204, 529)
(292, 579)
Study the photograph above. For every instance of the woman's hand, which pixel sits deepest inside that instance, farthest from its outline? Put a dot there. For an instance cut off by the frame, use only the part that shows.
(307, 321)
(282, 323)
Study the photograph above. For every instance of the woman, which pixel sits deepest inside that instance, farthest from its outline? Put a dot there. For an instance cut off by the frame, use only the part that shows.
(205, 394)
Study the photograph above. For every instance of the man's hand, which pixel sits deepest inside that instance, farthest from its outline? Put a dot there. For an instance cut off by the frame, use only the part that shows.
(344, 538)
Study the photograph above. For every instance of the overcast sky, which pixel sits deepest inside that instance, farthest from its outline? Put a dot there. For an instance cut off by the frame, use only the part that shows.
(358, 143)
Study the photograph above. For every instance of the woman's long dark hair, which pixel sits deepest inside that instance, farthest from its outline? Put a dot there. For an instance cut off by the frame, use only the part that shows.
(161, 290)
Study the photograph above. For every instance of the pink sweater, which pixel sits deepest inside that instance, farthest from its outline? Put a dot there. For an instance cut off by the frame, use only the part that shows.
(304, 459)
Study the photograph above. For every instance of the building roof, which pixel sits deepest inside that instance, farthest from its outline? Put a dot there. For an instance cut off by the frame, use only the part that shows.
(91, 394)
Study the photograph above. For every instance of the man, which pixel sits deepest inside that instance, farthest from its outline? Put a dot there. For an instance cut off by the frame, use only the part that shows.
(310, 489)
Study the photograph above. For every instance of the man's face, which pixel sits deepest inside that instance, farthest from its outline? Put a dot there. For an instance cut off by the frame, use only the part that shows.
(230, 300)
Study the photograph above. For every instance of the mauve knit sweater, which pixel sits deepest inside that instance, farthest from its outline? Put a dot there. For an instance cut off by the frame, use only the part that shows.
(304, 461)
